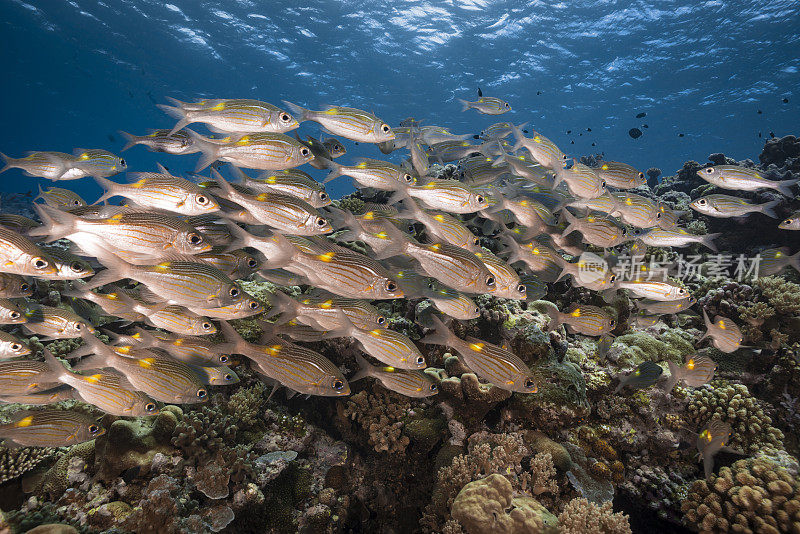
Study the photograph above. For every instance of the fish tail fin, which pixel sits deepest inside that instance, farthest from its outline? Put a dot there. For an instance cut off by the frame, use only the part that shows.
(441, 334)
(571, 222)
(336, 169)
(299, 112)
(227, 189)
(794, 261)
(208, 150)
(501, 159)
(234, 341)
(57, 224)
(708, 241)
(130, 140)
(395, 240)
(364, 369)
(57, 369)
(109, 186)
(8, 163)
(555, 317)
(464, 104)
(177, 113)
(707, 322)
(116, 269)
(785, 187)
(708, 465)
(283, 305)
(768, 208)
(672, 381)
(40, 195)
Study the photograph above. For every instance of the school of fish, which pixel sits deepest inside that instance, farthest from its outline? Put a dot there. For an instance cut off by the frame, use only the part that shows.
(162, 262)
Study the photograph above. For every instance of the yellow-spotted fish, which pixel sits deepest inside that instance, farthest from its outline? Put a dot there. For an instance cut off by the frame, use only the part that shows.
(727, 206)
(724, 333)
(713, 439)
(410, 383)
(645, 375)
(583, 319)
(263, 151)
(696, 371)
(177, 143)
(230, 116)
(49, 427)
(792, 223)
(620, 175)
(488, 105)
(49, 322)
(350, 123)
(744, 179)
(57, 197)
(50, 165)
(97, 163)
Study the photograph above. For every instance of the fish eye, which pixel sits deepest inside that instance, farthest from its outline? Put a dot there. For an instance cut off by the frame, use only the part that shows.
(228, 377)
(701, 202)
(40, 263)
(122, 162)
(408, 178)
(304, 151)
(391, 286)
(338, 148)
(658, 216)
(710, 170)
(603, 184)
(480, 199)
(385, 128)
(94, 429)
(434, 387)
(321, 222)
(411, 228)
(612, 322)
(612, 279)
(150, 407)
(476, 241)
(285, 117)
(24, 287)
(202, 200)
(507, 105)
(381, 320)
(223, 358)
(206, 326)
(521, 288)
(788, 221)
(681, 291)
(477, 309)
(234, 292)
(530, 384)
(490, 281)
(420, 360)
(252, 263)
(253, 305)
(323, 196)
(641, 175)
(338, 385)
(77, 326)
(15, 346)
(624, 231)
(201, 393)
(76, 202)
(14, 315)
(195, 239)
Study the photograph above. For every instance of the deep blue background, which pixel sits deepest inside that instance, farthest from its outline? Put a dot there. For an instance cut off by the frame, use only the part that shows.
(76, 72)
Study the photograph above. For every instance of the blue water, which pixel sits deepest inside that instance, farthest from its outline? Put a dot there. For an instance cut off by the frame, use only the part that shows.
(76, 72)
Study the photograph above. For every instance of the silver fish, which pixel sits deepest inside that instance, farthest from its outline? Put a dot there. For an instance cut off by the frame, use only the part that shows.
(231, 115)
(728, 206)
(177, 143)
(11, 346)
(487, 105)
(744, 179)
(411, 383)
(350, 123)
(49, 428)
(724, 333)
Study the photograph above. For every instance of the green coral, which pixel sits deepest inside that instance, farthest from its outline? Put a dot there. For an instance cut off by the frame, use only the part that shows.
(783, 296)
(638, 346)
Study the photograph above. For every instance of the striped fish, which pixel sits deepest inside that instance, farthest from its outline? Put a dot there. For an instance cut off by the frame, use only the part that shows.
(645, 375)
(498, 130)
(488, 105)
(161, 191)
(724, 333)
(390, 347)
(10, 313)
(792, 223)
(335, 147)
(696, 371)
(442, 226)
(18, 255)
(49, 428)
(450, 196)
(263, 151)
(240, 310)
(583, 319)
(151, 235)
(114, 303)
(180, 282)
(605, 203)
(636, 210)
(669, 218)
(772, 261)
(177, 143)
(727, 206)
(744, 179)
(452, 303)
(659, 290)
(54, 323)
(231, 115)
(68, 265)
(542, 260)
(507, 282)
(500, 367)
(159, 376)
(526, 211)
(372, 173)
(678, 237)
(11, 346)
(453, 150)
(50, 165)
(107, 391)
(216, 231)
(620, 175)
(17, 223)
(283, 213)
(292, 182)
(478, 170)
(411, 383)
(432, 134)
(50, 396)
(196, 351)
(97, 163)
(350, 123)
(59, 198)
(543, 150)
(234, 263)
(20, 377)
(711, 440)
(298, 368)
(216, 376)
(660, 307)
(581, 180)
(324, 311)
(600, 232)
(522, 166)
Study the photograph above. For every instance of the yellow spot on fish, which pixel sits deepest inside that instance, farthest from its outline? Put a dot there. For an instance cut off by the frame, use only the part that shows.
(690, 364)
(163, 266)
(439, 218)
(218, 107)
(271, 180)
(84, 156)
(721, 324)
(362, 165)
(331, 111)
(178, 342)
(629, 202)
(274, 349)
(139, 184)
(388, 369)
(537, 139)
(327, 257)
(429, 185)
(146, 363)
(25, 422)
(245, 140)
(604, 167)
(576, 312)
(478, 347)
(93, 379)
(368, 216)
(435, 247)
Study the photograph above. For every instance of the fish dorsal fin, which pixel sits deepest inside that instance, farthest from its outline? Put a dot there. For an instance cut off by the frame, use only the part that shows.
(480, 93)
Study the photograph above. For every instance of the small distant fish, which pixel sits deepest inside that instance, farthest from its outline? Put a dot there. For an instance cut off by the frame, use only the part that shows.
(410, 383)
(604, 345)
(636, 133)
(542, 149)
(792, 223)
(656, 237)
(450, 196)
(583, 319)
(542, 260)
(744, 179)
(292, 182)
(98, 163)
(661, 307)
(335, 147)
(710, 441)
(231, 116)
(640, 320)
(641, 115)
(177, 143)
(507, 282)
(659, 290)
(372, 173)
(350, 123)
(486, 104)
(645, 375)
(59, 198)
(452, 303)
(442, 226)
(724, 333)
(49, 428)
(490, 362)
(696, 371)
(11, 346)
(728, 206)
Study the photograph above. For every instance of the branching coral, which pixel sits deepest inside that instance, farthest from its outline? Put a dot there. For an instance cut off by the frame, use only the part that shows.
(753, 495)
(581, 516)
(16, 462)
(382, 415)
